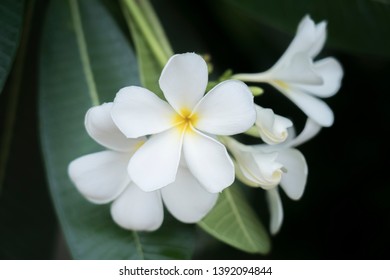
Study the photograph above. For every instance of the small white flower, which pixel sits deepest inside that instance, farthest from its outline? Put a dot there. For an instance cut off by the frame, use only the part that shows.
(102, 177)
(293, 181)
(255, 168)
(299, 78)
(271, 127)
(185, 124)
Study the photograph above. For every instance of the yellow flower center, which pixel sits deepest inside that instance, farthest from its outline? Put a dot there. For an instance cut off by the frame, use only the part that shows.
(184, 119)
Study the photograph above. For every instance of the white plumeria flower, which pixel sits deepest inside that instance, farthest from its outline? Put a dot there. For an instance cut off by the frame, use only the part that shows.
(272, 128)
(102, 177)
(255, 168)
(299, 78)
(185, 124)
(293, 181)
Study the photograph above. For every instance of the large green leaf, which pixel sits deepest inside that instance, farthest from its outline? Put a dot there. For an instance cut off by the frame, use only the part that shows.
(11, 19)
(85, 59)
(354, 25)
(234, 222)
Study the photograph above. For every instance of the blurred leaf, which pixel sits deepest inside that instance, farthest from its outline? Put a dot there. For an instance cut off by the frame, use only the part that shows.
(12, 91)
(76, 72)
(234, 222)
(11, 19)
(353, 25)
(24, 197)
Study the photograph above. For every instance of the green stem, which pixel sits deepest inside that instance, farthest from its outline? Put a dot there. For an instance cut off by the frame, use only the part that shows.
(156, 26)
(138, 245)
(76, 18)
(150, 37)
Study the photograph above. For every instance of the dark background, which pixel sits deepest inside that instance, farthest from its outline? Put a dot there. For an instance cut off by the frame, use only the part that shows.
(345, 211)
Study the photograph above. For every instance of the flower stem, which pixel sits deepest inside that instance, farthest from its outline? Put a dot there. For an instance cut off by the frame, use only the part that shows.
(146, 20)
(156, 26)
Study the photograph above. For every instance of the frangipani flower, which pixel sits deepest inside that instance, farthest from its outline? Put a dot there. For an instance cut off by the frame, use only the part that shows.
(299, 78)
(185, 124)
(267, 166)
(102, 177)
(255, 168)
(293, 181)
(272, 128)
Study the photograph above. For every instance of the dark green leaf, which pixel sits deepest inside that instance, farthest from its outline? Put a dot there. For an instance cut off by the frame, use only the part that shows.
(85, 59)
(28, 226)
(358, 26)
(233, 221)
(11, 19)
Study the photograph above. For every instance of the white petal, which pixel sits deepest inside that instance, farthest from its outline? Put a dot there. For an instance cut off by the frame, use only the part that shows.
(242, 175)
(276, 210)
(155, 164)
(310, 130)
(313, 107)
(292, 66)
(256, 166)
(101, 128)
(139, 112)
(299, 70)
(268, 172)
(208, 161)
(249, 169)
(331, 73)
(301, 42)
(227, 109)
(319, 39)
(184, 80)
(101, 176)
(186, 199)
(272, 128)
(309, 38)
(294, 180)
(137, 210)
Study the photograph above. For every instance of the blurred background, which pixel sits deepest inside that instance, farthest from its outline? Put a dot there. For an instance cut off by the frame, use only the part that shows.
(345, 210)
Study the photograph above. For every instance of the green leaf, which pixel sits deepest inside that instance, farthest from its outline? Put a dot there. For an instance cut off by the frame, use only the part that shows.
(85, 59)
(13, 91)
(234, 222)
(11, 19)
(28, 226)
(357, 26)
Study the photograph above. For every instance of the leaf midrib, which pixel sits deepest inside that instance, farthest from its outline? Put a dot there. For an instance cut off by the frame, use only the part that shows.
(82, 44)
(238, 217)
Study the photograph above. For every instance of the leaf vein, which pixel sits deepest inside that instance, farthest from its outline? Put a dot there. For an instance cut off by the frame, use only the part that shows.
(83, 49)
(238, 217)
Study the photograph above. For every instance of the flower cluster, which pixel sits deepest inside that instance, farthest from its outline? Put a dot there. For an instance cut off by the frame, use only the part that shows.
(304, 81)
(164, 151)
(179, 152)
